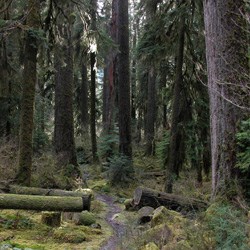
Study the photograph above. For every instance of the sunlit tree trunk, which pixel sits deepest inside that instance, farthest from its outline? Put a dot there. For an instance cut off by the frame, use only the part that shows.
(28, 95)
(226, 51)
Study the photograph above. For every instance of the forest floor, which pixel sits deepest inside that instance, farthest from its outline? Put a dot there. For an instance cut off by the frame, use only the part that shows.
(114, 228)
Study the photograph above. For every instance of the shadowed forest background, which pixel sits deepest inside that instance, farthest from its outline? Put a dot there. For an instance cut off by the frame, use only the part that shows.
(113, 97)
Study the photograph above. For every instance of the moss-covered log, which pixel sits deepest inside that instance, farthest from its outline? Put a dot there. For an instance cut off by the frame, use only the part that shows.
(15, 189)
(149, 197)
(44, 203)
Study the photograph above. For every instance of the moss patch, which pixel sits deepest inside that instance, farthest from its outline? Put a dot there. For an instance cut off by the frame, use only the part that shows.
(68, 236)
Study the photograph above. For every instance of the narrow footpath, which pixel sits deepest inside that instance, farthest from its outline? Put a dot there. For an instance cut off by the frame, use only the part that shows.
(119, 229)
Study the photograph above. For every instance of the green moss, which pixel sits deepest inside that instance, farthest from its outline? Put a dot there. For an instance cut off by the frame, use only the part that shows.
(164, 215)
(67, 235)
(85, 218)
(150, 246)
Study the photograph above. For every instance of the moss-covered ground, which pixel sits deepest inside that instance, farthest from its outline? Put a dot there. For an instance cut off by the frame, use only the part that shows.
(222, 226)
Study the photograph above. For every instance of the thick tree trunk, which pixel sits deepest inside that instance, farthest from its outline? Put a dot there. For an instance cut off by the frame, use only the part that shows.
(151, 7)
(64, 123)
(125, 146)
(44, 203)
(153, 198)
(175, 147)
(227, 63)
(4, 76)
(28, 96)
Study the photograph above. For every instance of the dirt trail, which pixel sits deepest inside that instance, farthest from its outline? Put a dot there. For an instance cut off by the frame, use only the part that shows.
(115, 241)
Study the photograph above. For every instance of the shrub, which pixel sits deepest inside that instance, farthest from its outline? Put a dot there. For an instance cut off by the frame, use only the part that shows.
(120, 170)
(228, 226)
(162, 147)
(243, 156)
(108, 144)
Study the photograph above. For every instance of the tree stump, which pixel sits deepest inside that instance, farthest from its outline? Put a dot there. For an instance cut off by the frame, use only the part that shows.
(52, 219)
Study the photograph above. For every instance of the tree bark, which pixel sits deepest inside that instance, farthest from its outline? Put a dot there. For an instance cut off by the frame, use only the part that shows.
(93, 106)
(227, 66)
(28, 95)
(93, 85)
(174, 156)
(44, 203)
(151, 7)
(125, 146)
(64, 123)
(151, 112)
(84, 98)
(4, 77)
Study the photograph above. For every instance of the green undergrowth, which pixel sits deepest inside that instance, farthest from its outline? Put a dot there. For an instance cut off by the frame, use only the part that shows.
(228, 225)
(23, 229)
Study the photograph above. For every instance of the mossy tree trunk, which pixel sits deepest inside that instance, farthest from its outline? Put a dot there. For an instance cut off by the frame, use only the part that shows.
(28, 94)
(64, 123)
(228, 81)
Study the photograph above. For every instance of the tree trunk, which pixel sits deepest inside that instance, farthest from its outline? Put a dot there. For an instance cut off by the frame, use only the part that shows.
(4, 77)
(44, 203)
(227, 66)
(84, 98)
(151, 112)
(64, 123)
(93, 106)
(125, 146)
(28, 95)
(174, 156)
(151, 7)
(93, 85)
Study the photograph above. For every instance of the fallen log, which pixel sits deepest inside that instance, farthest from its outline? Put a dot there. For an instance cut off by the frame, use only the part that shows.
(15, 189)
(44, 203)
(153, 198)
(154, 174)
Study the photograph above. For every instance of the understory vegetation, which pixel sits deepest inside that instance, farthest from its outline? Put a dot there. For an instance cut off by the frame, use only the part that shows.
(223, 225)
